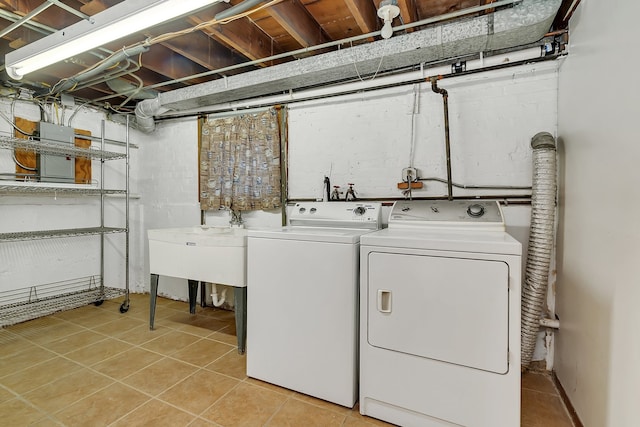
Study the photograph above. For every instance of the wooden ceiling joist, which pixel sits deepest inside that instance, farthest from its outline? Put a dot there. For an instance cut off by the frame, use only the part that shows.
(298, 22)
(408, 11)
(365, 14)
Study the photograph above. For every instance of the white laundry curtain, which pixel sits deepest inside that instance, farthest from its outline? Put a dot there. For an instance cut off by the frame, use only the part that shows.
(240, 162)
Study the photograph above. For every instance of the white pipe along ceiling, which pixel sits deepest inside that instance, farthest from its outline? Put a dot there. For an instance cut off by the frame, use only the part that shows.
(525, 23)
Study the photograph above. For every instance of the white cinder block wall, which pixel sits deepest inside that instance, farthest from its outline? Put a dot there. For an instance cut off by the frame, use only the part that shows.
(598, 346)
(366, 138)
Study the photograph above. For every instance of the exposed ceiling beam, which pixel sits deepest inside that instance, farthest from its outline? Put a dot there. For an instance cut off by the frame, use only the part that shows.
(53, 16)
(92, 7)
(164, 61)
(202, 50)
(365, 14)
(243, 37)
(409, 11)
(197, 46)
(440, 7)
(299, 23)
(488, 11)
(151, 77)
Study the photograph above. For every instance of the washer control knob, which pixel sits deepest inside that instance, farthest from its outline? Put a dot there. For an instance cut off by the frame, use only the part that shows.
(475, 211)
(312, 210)
(360, 210)
(302, 210)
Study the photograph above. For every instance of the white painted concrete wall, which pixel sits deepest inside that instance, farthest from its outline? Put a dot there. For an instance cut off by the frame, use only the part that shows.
(169, 187)
(366, 138)
(38, 262)
(598, 347)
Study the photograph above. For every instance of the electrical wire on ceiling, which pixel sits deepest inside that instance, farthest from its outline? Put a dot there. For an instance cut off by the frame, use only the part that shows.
(221, 18)
(140, 86)
(214, 21)
(15, 127)
(355, 65)
(114, 70)
(10, 121)
(60, 85)
(71, 117)
(335, 43)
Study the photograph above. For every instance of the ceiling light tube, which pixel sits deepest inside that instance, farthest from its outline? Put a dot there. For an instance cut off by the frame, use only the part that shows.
(116, 22)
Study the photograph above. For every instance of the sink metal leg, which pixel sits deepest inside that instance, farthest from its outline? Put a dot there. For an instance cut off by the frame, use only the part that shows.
(240, 295)
(203, 294)
(193, 293)
(153, 297)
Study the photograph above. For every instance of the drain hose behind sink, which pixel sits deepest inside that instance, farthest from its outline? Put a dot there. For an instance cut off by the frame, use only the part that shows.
(541, 236)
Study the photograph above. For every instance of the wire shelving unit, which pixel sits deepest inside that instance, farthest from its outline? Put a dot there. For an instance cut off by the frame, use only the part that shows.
(27, 303)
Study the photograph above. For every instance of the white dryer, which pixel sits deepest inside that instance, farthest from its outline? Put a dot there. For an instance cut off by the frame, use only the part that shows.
(302, 299)
(440, 317)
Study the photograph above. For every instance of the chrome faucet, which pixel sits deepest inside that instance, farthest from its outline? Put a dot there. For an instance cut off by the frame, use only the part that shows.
(236, 218)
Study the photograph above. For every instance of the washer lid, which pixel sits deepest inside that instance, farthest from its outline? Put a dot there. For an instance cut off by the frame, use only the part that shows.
(310, 234)
(489, 242)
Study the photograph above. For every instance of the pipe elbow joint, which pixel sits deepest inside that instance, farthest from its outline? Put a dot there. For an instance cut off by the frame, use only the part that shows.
(436, 89)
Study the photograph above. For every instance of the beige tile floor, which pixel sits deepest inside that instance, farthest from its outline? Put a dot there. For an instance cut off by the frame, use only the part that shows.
(93, 366)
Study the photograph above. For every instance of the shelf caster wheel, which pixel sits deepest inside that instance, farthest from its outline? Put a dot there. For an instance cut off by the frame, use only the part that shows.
(98, 303)
(124, 307)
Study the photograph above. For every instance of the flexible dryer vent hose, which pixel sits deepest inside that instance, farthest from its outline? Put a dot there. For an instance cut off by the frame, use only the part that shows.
(541, 236)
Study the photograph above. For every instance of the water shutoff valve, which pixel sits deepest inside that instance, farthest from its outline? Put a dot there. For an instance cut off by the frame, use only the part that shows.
(335, 194)
(351, 193)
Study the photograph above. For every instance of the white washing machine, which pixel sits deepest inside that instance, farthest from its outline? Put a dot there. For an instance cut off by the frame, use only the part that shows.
(302, 299)
(440, 317)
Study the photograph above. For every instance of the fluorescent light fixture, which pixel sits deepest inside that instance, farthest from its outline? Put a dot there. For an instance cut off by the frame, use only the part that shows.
(111, 24)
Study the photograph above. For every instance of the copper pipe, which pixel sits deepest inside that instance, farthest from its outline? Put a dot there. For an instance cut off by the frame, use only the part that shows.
(556, 33)
(445, 102)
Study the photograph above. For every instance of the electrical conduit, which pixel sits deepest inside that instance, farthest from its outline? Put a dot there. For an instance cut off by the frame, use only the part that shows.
(119, 56)
(541, 237)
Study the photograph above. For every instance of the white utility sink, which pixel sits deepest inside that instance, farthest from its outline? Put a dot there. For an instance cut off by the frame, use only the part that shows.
(206, 254)
(201, 254)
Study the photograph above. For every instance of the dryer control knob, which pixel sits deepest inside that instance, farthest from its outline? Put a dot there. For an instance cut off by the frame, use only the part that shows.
(302, 210)
(360, 210)
(475, 211)
(312, 210)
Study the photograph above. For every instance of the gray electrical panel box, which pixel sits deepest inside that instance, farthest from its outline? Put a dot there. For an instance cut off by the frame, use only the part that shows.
(53, 168)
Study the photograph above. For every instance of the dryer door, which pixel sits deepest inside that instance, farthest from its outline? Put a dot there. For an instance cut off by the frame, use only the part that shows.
(453, 310)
